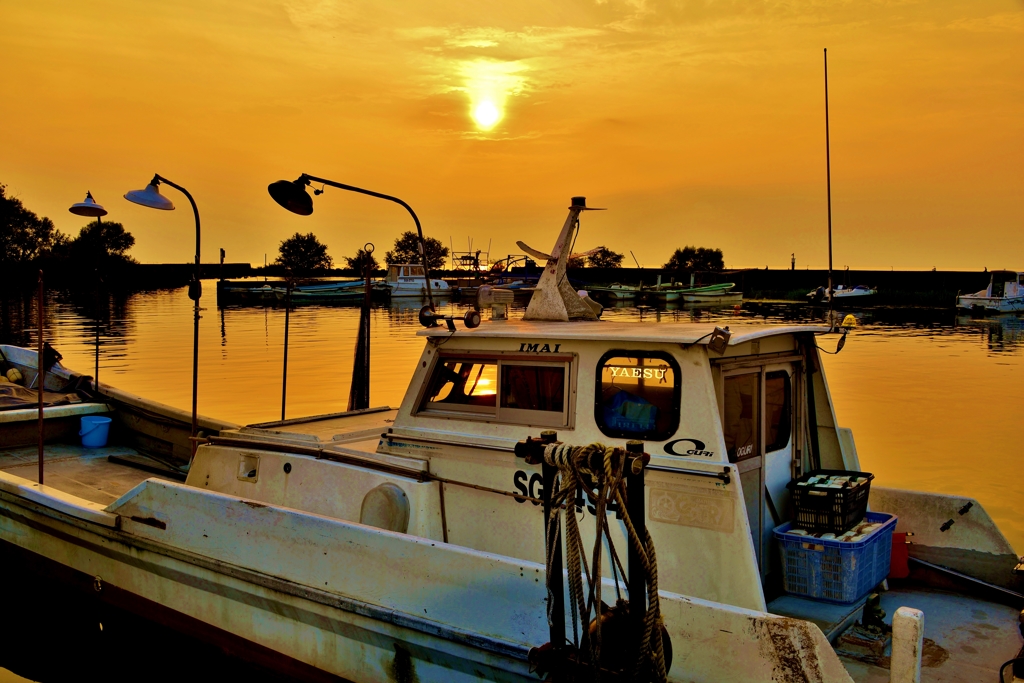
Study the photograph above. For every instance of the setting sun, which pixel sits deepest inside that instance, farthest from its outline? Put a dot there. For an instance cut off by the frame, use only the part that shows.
(486, 114)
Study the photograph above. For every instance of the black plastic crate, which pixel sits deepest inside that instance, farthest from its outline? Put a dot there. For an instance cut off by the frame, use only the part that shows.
(822, 509)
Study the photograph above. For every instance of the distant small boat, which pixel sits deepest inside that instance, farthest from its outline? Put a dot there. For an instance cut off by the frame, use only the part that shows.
(615, 291)
(405, 279)
(714, 294)
(821, 293)
(1004, 294)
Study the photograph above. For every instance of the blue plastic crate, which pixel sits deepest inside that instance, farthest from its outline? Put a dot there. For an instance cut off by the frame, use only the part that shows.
(836, 571)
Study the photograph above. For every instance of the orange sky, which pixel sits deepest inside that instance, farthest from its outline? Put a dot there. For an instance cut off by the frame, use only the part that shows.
(693, 122)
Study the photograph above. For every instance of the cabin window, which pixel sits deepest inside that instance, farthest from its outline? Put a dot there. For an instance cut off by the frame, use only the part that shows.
(504, 390)
(777, 410)
(464, 385)
(414, 271)
(740, 423)
(637, 395)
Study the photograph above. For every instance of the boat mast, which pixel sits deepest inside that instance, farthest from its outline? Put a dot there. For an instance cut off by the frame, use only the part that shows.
(828, 185)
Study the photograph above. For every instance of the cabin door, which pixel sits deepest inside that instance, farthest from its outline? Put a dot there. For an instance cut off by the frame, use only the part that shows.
(741, 423)
(757, 418)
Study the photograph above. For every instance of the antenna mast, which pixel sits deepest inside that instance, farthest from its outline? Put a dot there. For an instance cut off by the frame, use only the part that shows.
(828, 185)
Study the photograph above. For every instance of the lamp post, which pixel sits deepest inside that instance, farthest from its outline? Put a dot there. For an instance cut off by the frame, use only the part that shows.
(89, 208)
(152, 198)
(292, 195)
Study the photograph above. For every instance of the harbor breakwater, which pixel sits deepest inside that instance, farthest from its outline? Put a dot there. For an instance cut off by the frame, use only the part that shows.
(895, 287)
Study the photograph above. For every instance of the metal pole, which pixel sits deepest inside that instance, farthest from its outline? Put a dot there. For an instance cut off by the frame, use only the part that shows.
(553, 548)
(419, 228)
(284, 374)
(636, 509)
(828, 181)
(40, 373)
(195, 293)
(96, 374)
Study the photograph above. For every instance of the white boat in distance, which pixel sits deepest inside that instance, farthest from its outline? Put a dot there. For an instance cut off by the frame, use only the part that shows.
(841, 292)
(408, 543)
(408, 279)
(1004, 294)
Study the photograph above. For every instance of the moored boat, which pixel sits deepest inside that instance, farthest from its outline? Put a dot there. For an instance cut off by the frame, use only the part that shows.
(1004, 294)
(409, 280)
(410, 543)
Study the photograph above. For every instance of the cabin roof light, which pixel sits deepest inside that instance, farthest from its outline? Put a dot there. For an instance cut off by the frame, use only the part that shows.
(719, 339)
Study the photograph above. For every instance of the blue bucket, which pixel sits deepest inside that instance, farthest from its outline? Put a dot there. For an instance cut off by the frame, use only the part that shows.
(94, 431)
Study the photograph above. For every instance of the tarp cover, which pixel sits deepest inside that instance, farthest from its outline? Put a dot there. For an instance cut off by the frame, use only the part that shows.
(15, 396)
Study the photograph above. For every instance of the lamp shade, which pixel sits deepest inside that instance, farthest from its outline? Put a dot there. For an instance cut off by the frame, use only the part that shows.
(292, 195)
(88, 207)
(150, 197)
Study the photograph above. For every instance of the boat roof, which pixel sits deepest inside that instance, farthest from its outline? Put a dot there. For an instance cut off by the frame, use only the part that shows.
(679, 333)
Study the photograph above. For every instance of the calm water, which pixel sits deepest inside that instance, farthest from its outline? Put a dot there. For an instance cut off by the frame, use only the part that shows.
(934, 400)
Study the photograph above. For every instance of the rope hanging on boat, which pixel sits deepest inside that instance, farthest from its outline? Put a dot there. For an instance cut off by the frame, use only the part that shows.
(599, 471)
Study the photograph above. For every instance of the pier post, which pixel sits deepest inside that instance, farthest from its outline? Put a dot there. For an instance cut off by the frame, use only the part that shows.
(359, 393)
(907, 642)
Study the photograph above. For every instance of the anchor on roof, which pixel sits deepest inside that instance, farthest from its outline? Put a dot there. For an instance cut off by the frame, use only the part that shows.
(555, 299)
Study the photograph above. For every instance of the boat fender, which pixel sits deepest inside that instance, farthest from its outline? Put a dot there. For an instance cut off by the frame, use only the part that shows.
(386, 507)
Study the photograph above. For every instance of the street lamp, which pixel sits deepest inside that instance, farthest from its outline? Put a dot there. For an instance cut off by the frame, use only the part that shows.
(90, 209)
(152, 198)
(292, 195)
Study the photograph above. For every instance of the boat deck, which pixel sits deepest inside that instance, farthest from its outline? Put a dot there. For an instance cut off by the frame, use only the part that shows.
(88, 473)
(965, 638)
(963, 635)
(359, 430)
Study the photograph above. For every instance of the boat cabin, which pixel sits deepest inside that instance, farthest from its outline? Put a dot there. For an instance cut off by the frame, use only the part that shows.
(1005, 283)
(727, 432)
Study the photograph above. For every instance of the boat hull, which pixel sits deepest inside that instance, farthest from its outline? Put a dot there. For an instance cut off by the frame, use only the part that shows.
(250, 614)
(990, 305)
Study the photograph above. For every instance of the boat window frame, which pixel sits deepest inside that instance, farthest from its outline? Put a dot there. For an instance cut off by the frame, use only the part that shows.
(677, 394)
(509, 416)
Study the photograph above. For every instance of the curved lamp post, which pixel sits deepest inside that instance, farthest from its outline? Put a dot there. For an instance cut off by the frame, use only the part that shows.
(90, 209)
(292, 195)
(152, 198)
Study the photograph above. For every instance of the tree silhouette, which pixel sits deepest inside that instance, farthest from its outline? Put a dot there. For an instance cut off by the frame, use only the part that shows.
(407, 250)
(361, 260)
(576, 261)
(303, 254)
(24, 236)
(605, 258)
(695, 259)
(100, 243)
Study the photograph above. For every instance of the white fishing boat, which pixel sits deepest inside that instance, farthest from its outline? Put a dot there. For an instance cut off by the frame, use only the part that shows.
(1004, 294)
(841, 293)
(409, 279)
(410, 544)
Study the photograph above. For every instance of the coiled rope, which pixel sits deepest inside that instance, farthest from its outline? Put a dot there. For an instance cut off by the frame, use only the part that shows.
(604, 483)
